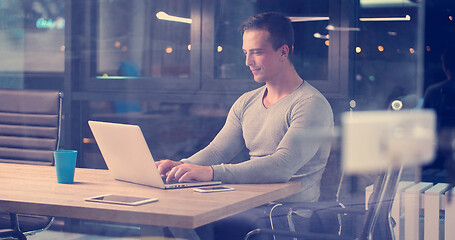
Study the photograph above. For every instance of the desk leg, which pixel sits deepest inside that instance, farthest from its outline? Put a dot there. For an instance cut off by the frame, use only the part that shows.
(148, 230)
(169, 232)
(184, 233)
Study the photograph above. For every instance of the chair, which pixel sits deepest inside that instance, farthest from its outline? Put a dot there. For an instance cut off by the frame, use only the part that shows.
(30, 127)
(377, 223)
(395, 140)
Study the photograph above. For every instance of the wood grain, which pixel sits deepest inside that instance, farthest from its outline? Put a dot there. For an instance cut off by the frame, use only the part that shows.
(34, 190)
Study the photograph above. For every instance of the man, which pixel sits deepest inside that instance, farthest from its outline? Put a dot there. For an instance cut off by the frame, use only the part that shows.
(269, 121)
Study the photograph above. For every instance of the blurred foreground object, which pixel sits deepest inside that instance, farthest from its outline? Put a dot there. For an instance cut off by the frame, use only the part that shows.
(377, 140)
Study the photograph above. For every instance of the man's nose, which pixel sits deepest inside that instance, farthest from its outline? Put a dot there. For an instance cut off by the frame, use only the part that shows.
(248, 60)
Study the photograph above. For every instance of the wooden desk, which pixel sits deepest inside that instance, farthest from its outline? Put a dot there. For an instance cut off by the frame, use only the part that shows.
(34, 190)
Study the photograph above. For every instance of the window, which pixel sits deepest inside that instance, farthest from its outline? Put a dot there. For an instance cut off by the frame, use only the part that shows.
(141, 45)
(144, 38)
(389, 51)
(310, 20)
(31, 40)
(223, 62)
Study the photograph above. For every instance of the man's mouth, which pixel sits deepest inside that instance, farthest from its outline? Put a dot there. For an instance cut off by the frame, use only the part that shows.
(255, 70)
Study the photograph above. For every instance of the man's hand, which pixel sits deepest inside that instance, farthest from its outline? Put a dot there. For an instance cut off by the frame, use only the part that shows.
(164, 166)
(188, 172)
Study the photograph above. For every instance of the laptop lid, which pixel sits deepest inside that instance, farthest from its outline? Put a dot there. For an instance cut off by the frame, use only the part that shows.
(128, 156)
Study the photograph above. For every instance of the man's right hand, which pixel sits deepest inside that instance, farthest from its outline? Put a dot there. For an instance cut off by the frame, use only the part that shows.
(164, 166)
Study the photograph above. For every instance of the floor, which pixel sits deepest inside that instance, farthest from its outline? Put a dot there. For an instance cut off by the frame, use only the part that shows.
(89, 230)
(53, 235)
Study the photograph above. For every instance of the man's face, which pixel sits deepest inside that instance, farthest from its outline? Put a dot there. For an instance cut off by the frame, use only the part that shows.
(263, 61)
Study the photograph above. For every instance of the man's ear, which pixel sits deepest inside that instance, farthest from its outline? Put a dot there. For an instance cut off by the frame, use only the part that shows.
(284, 51)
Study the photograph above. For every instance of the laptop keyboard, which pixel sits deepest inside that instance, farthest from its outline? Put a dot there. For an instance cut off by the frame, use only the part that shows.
(170, 182)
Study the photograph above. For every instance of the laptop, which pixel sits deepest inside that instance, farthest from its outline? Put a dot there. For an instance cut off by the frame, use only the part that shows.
(128, 157)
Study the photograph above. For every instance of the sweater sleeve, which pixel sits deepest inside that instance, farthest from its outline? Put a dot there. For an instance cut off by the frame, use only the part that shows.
(295, 149)
(226, 144)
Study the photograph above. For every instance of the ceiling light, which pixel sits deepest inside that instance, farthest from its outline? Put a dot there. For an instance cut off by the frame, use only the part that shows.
(387, 3)
(333, 28)
(164, 16)
(308, 19)
(386, 19)
(320, 36)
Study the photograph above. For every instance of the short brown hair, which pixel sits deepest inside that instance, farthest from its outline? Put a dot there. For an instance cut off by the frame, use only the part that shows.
(278, 25)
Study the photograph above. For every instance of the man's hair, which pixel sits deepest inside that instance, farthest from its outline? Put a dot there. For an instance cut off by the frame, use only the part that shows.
(279, 27)
(448, 60)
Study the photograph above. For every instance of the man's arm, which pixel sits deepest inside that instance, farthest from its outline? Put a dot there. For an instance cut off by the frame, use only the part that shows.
(225, 146)
(294, 151)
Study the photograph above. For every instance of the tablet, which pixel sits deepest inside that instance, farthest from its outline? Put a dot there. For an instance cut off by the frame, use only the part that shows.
(120, 199)
(213, 189)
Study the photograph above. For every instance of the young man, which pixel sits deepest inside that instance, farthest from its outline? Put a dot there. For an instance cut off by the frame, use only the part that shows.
(269, 121)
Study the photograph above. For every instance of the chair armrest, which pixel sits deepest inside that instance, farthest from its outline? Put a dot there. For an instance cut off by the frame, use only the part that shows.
(4, 233)
(328, 207)
(318, 236)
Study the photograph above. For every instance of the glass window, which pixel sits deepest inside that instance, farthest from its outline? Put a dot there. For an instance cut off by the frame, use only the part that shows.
(31, 39)
(387, 55)
(144, 38)
(309, 18)
(172, 130)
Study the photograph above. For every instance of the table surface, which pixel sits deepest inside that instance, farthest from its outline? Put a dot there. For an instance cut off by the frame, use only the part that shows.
(34, 190)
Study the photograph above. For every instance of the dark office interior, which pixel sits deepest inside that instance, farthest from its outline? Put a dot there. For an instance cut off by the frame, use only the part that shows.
(129, 61)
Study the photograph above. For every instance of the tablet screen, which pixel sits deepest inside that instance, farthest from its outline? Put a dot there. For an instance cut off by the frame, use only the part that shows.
(120, 199)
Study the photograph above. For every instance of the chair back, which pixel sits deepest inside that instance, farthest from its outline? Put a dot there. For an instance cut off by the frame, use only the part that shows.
(378, 221)
(30, 123)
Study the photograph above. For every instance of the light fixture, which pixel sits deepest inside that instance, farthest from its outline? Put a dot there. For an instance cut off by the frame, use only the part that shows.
(320, 36)
(308, 19)
(387, 3)
(164, 16)
(333, 28)
(386, 19)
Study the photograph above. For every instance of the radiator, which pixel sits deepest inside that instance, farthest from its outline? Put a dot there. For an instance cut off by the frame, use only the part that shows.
(422, 211)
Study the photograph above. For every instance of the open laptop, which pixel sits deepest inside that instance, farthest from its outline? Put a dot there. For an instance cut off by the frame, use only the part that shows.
(128, 157)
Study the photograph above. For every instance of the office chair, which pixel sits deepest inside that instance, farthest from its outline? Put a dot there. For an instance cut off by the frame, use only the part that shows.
(30, 127)
(376, 221)
(386, 142)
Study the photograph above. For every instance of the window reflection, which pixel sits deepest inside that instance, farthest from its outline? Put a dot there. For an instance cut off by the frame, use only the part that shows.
(387, 55)
(144, 38)
(30, 31)
(172, 130)
(309, 19)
